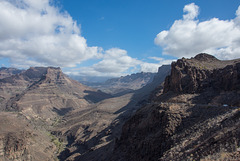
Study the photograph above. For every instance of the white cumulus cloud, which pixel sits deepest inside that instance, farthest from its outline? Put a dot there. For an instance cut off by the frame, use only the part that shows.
(33, 32)
(116, 62)
(37, 33)
(189, 36)
(192, 11)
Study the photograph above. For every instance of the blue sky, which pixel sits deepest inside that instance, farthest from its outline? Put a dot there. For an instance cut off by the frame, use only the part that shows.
(133, 24)
(115, 37)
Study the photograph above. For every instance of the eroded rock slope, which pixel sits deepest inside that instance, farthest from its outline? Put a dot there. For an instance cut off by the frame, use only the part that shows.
(44, 93)
(32, 104)
(197, 117)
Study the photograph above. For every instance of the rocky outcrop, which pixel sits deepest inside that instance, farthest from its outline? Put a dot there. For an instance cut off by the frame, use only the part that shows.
(196, 117)
(203, 72)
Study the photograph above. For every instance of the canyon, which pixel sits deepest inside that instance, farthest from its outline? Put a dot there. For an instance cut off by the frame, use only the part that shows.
(187, 111)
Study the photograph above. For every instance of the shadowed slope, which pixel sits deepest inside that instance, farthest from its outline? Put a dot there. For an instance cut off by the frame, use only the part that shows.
(197, 116)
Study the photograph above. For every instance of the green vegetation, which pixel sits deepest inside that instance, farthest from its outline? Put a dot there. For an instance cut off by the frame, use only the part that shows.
(56, 142)
(56, 121)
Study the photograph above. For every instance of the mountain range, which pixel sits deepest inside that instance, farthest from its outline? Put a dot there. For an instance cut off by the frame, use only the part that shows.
(7, 72)
(122, 84)
(186, 111)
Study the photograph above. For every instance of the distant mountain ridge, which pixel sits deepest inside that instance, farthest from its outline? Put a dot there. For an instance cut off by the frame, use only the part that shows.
(7, 72)
(124, 84)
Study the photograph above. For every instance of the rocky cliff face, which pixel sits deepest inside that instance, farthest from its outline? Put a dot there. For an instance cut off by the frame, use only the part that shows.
(203, 72)
(196, 117)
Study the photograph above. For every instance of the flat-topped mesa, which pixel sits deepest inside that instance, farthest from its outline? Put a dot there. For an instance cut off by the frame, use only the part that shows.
(203, 72)
(46, 74)
(38, 72)
(54, 74)
(35, 72)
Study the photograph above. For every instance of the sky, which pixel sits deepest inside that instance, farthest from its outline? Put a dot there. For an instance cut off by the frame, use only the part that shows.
(111, 38)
